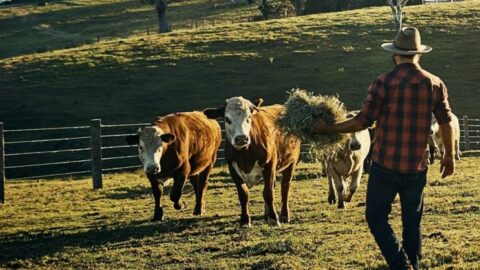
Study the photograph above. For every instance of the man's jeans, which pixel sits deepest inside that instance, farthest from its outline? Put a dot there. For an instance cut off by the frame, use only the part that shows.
(383, 186)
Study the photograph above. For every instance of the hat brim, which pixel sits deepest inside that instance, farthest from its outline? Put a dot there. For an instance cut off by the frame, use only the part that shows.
(390, 47)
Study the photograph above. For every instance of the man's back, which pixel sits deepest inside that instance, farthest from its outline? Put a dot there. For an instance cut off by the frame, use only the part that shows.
(402, 102)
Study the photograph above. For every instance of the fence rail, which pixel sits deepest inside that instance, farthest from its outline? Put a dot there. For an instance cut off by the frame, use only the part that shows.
(70, 155)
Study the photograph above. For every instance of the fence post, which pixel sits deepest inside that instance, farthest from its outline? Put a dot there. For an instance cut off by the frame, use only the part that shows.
(465, 132)
(96, 151)
(2, 165)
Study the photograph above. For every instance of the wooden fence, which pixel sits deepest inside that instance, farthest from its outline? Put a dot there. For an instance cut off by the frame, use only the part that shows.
(96, 149)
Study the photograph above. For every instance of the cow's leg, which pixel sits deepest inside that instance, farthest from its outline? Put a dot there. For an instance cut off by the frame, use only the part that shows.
(287, 176)
(331, 191)
(157, 190)
(201, 189)
(178, 183)
(194, 181)
(243, 196)
(354, 184)
(268, 197)
(337, 182)
(457, 149)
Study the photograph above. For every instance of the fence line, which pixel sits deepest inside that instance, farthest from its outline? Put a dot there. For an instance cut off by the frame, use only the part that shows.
(470, 139)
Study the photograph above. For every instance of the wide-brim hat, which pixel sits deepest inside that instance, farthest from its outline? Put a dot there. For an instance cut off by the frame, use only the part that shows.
(407, 42)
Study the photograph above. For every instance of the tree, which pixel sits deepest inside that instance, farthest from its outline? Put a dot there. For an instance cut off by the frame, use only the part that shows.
(299, 5)
(161, 7)
(396, 6)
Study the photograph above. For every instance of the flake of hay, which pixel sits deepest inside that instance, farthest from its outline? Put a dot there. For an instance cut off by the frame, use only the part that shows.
(303, 109)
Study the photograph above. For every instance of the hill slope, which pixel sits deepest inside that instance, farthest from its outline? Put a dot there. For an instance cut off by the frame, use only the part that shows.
(29, 28)
(134, 79)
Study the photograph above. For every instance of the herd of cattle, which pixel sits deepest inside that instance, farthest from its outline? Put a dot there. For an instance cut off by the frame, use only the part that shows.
(184, 145)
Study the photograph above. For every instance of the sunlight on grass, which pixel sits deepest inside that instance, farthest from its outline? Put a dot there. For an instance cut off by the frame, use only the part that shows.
(74, 226)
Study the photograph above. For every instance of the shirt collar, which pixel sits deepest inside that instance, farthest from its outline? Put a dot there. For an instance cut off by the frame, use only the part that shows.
(408, 66)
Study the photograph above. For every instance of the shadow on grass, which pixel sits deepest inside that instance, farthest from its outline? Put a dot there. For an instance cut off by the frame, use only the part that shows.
(124, 193)
(37, 246)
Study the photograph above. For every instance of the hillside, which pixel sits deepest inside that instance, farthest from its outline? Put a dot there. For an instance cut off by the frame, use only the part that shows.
(29, 28)
(59, 224)
(133, 79)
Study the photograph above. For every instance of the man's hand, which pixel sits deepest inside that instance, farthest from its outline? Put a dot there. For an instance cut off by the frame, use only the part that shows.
(447, 165)
(319, 126)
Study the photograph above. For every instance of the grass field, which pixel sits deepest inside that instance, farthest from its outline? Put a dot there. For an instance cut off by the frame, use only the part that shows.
(64, 224)
(136, 78)
(28, 28)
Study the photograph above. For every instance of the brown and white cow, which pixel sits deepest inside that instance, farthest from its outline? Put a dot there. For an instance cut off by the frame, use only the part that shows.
(178, 146)
(435, 142)
(256, 149)
(346, 168)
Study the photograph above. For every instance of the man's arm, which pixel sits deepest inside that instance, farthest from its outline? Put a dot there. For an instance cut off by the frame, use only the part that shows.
(348, 126)
(447, 166)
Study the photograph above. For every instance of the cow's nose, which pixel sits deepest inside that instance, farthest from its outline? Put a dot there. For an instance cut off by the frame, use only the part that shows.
(153, 169)
(355, 146)
(241, 140)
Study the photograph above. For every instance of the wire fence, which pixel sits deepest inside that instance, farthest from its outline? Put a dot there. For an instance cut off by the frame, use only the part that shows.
(97, 148)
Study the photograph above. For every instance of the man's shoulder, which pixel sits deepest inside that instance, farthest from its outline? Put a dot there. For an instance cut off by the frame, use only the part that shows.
(433, 78)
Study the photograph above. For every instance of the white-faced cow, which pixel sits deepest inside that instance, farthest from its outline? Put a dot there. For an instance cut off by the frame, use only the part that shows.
(435, 140)
(346, 168)
(256, 149)
(178, 146)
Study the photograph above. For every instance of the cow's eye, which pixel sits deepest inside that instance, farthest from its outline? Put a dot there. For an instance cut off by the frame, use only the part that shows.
(228, 120)
(140, 148)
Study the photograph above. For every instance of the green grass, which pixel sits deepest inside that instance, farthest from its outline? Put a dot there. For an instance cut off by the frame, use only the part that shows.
(133, 79)
(64, 224)
(29, 28)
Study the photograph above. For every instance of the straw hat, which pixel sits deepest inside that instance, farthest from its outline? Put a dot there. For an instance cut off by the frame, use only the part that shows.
(407, 42)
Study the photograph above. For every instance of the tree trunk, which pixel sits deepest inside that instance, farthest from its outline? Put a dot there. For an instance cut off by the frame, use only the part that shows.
(299, 6)
(161, 7)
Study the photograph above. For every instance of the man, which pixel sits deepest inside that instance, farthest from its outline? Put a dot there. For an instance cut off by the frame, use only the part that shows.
(402, 102)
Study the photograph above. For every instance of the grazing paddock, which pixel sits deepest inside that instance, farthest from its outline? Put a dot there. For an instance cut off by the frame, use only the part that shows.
(63, 224)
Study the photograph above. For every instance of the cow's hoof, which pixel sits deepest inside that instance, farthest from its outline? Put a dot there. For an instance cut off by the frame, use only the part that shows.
(273, 222)
(179, 205)
(348, 197)
(245, 221)
(246, 225)
(157, 215)
(199, 211)
(331, 199)
(341, 206)
(284, 219)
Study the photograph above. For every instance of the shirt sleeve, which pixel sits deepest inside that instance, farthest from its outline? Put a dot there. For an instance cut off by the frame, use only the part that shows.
(441, 107)
(372, 105)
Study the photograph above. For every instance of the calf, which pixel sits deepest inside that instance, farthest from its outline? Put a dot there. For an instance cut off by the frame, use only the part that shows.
(435, 141)
(256, 149)
(178, 146)
(347, 163)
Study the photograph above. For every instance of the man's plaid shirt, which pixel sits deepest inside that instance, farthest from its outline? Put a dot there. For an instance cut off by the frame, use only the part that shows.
(402, 102)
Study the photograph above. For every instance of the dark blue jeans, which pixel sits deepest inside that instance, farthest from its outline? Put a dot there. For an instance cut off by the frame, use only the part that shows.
(383, 186)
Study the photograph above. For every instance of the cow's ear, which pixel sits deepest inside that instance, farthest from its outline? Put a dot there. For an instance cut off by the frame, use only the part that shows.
(168, 138)
(213, 113)
(132, 139)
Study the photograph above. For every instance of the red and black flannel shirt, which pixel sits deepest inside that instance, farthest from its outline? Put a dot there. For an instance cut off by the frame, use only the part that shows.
(402, 102)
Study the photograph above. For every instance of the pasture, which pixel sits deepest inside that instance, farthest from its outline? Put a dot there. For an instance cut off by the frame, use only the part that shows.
(63, 224)
(132, 79)
(75, 60)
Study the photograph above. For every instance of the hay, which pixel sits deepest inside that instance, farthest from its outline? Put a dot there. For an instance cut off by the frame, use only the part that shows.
(302, 110)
